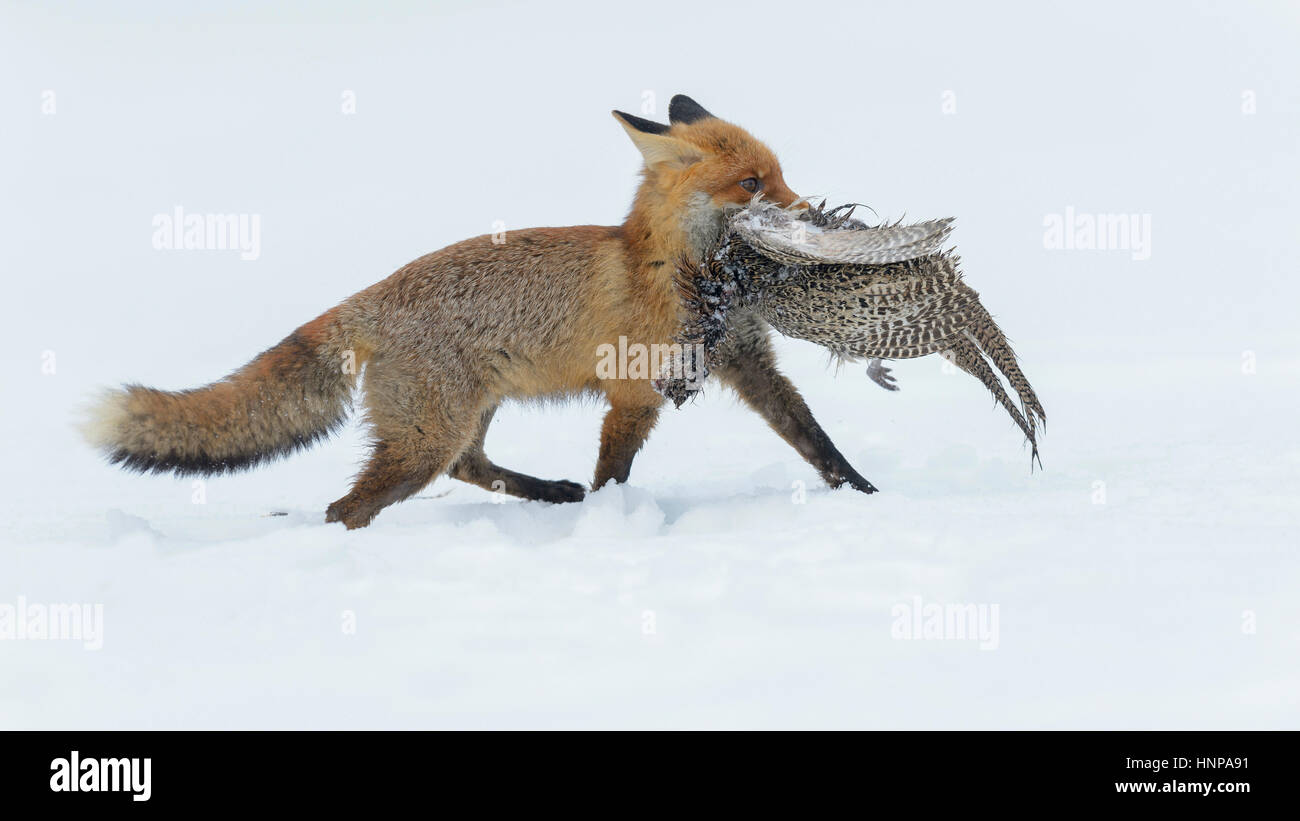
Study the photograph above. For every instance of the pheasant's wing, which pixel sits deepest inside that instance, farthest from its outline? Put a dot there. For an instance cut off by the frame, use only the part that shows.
(784, 238)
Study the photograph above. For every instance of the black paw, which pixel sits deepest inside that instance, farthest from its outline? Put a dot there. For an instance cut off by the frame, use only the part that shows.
(561, 491)
(863, 485)
(853, 480)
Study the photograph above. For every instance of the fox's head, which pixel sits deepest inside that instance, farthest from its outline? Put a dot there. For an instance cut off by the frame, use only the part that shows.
(699, 167)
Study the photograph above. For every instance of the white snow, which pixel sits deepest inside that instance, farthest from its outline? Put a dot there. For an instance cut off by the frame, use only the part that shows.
(1146, 578)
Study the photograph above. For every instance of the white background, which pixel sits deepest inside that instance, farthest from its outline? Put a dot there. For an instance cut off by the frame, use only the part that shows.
(1136, 612)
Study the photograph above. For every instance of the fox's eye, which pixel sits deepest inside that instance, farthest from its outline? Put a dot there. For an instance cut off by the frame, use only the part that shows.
(751, 185)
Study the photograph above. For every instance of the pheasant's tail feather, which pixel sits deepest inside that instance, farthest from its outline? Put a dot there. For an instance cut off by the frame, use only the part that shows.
(965, 355)
(990, 339)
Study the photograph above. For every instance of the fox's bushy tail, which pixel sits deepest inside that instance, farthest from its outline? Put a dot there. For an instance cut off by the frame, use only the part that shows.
(288, 398)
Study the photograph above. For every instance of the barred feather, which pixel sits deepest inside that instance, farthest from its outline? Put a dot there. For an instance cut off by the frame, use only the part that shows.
(965, 355)
(985, 332)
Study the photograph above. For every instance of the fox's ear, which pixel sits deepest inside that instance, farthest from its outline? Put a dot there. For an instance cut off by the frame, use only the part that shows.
(652, 140)
(644, 126)
(684, 110)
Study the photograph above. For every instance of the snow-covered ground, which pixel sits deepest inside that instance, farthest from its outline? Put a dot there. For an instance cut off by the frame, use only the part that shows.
(703, 593)
(1145, 578)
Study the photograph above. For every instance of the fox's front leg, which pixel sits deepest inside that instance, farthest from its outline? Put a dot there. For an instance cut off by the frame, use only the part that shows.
(634, 409)
(747, 363)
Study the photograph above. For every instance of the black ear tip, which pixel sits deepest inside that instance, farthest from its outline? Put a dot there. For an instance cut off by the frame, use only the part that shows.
(684, 110)
(641, 124)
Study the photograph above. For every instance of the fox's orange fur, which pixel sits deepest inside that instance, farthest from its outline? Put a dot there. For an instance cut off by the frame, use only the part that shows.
(448, 337)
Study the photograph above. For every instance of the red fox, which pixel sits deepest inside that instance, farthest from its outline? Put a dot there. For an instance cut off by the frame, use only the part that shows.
(448, 337)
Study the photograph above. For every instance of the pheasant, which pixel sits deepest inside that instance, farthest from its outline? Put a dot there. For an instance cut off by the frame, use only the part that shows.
(862, 292)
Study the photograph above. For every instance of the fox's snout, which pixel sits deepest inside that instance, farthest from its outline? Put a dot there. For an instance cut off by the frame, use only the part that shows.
(784, 197)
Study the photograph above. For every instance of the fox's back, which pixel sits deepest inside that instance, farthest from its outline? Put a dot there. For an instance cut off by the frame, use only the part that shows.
(535, 307)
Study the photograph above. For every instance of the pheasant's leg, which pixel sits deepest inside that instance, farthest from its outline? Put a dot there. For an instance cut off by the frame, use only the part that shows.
(749, 366)
(882, 376)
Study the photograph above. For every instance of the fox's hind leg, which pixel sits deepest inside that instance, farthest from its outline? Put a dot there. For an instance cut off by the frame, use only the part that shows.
(420, 427)
(475, 467)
